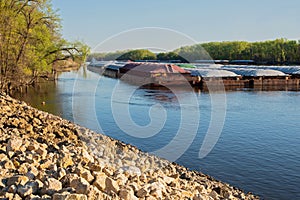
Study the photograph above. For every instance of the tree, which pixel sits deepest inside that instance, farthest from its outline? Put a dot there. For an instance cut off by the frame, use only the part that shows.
(140, 54)
(30, 41)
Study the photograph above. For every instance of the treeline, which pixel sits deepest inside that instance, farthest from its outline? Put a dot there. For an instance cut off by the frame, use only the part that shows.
(279, 51)
(31, 43)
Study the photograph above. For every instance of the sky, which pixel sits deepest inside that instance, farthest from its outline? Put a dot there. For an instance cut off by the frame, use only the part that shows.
(95, 21)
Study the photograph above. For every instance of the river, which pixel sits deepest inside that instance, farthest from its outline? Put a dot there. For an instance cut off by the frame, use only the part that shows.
(258, 149)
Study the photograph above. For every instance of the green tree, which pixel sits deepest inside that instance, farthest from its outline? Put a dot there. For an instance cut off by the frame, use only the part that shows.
(30, 41)
(140, 54)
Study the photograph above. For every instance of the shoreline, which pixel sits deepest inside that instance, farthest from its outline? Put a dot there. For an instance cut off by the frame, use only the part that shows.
(46, 157)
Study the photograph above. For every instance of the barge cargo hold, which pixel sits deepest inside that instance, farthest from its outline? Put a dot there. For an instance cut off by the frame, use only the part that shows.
(155, 74)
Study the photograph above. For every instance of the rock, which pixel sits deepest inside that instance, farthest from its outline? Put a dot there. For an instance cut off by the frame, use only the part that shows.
(214, 195)
(156, 189)
(28, 189)
(141, 193)
(42, 151)
(3, 157)
(80, 185)
(32, 173)
(23, 169)
(66, 161)
(14, 144)
(61, 173)
(86, 174)
(33, 146)
(12, 189)
(9, 165)
(9, 196)
(134, 186)
(17, 180)
(95, 167)
(132, 170)
(52, 186)
(100, 181)
(168, 180)
(127, 194)
(108, 172)
(69, 197)
(111, 186)
(122, 179)
(87, 157)
(46, 164)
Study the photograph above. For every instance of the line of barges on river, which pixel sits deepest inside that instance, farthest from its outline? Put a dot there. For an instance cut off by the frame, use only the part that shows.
(200, 75)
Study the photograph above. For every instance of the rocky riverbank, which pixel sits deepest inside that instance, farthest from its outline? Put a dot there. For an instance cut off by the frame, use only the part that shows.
(45, 157)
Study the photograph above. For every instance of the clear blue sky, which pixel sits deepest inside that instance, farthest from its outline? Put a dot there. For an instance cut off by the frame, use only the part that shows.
(204, 20)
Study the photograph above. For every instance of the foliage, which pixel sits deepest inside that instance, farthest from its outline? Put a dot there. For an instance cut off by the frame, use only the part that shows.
(106, 56)
(139, 54)
(30, 41)
(279, 51)
(170, 56)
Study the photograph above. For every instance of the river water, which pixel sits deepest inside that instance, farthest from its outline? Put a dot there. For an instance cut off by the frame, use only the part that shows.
(258, 148)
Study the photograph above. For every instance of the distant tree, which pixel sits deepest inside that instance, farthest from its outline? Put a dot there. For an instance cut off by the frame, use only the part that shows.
(277, 51)
(140, 54)
(170, 56)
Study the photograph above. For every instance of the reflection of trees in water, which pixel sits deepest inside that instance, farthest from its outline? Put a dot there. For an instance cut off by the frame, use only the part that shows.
(43, 92)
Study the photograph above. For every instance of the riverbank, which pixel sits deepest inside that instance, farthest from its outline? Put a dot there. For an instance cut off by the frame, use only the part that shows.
(46, 157)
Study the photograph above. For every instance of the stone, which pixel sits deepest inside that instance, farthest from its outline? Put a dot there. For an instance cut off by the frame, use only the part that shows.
(111, 186)
(86, 174)
(61, 173)
(9, 165)
(80, 185)
(12, 189)
(87, 157)
(3, 157)
(108, 172)
(122, 179)
(14, 144)
(100, 181)
(66, 161)
(134, 186)
(23, 169)
(33, 146)
(214, 195)
(52, 186)
(28, 189)
(42, 151)
(17, 180)
(132, 170)
(141, 193)
(45, 165)
(32, 173)
(95, 167)
(168, 180)
(9, 196)
(69, 197)
(17, 197)
(127, 194)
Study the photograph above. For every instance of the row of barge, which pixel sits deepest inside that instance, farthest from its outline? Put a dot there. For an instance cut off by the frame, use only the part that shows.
(204, 76)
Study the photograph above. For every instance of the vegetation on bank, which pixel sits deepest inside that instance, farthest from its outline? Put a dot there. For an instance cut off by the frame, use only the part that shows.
(31, 44)
(279, 51)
